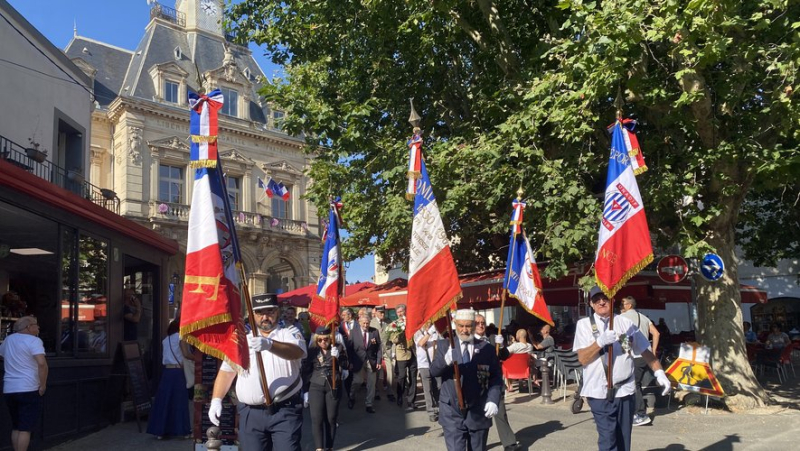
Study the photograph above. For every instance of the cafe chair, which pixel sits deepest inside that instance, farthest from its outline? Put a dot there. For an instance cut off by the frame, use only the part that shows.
(516, 367)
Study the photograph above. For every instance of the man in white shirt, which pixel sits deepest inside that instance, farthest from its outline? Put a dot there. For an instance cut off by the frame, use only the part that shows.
(425, 339)
(612, 409)
(263, 427)
(642, 376)
(25, 379)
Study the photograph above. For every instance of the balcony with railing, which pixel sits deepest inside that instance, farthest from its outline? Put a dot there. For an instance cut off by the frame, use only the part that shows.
(159, 11)
(34, 162)
(245, 221)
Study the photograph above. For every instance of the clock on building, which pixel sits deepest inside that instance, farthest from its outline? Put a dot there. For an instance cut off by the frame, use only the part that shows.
(209, 7)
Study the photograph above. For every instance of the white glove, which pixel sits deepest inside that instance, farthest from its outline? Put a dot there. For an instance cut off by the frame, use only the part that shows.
(345, 373)
(448, 356)
(215, 411)
(606, 338)
(335, 352)
(498, 340)
(663, 380)
(490, 409)
(259, 344)
(305, 400)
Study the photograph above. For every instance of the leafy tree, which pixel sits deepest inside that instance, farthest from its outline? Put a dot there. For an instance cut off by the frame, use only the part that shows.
(519, 93)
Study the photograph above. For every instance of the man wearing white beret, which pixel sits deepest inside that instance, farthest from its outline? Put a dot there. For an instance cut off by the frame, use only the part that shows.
(481, 382)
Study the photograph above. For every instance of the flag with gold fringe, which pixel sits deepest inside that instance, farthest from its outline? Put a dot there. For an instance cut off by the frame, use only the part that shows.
(324, 307)
(203, 127)
(433, 286)
(522, 278)
(211, 313)
(623, 247)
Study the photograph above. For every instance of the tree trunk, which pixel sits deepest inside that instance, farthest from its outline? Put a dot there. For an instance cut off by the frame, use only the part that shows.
(719, 310)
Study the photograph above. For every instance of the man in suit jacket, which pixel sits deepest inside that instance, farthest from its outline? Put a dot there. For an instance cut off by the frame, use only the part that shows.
(365, 360)
(481, 385)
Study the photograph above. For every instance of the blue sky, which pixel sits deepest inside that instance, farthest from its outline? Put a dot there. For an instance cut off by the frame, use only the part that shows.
(121, 23)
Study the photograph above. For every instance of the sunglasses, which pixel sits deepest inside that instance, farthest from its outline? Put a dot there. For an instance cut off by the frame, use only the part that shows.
(597, 301)
(323, 339)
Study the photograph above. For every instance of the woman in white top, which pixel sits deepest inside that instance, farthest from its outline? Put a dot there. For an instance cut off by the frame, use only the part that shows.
(170, 413)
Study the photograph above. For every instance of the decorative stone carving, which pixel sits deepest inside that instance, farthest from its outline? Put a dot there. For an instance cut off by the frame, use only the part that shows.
(135, 145)
(229, 64)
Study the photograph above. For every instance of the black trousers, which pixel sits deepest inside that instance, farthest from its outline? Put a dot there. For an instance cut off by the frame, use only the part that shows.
(323, 405)
(260, 429)
(407, 380)
(614, 421)
(642, 373)
(507, 436)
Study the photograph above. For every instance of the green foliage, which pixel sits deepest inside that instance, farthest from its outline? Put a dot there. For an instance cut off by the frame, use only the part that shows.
(519, 94)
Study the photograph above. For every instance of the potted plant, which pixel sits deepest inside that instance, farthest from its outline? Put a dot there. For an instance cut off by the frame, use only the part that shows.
(108, 193)
(34, 153)
(75, 175)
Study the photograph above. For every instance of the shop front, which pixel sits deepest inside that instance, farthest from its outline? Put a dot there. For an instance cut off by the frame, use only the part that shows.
(68, 261)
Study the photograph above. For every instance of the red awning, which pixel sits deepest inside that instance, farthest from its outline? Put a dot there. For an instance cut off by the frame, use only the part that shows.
(482, 291)
(301, 297)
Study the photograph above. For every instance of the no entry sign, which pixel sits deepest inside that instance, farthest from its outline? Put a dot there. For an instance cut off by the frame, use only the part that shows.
(672, 269)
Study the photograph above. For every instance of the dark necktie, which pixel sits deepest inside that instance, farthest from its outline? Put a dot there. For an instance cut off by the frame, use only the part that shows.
(465, 353)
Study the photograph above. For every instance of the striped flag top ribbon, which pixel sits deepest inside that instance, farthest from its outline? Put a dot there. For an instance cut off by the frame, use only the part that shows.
(433, 286)
(516, 216)
(324, 306)
(203, 128)
(414, 165)
(522, 279)
(623, 247)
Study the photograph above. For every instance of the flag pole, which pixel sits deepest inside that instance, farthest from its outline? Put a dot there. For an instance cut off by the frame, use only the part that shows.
(342, 283)
(243, 289)
(610, 370)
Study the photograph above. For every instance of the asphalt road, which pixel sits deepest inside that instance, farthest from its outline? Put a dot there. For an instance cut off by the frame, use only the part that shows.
(538, 427)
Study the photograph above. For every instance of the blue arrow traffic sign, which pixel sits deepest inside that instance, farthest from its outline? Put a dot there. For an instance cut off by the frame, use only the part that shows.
(712, 267)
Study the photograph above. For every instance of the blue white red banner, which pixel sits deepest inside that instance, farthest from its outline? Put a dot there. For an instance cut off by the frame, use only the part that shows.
(632, 145)
(623, 247)
(271, 188)
(414, 165)
(211, 317)
(324, 307)
(203, 128)
(433, 286)
(522, 278)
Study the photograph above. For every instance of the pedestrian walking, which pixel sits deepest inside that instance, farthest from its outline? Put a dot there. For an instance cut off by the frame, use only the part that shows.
(406, 363)
(279, 425)
(25, 379)
(365, 361)
(642, 374)
(425, 340)
(170, 413)
(481, 386)
(613, 409)
(322, 386)
(507, 437)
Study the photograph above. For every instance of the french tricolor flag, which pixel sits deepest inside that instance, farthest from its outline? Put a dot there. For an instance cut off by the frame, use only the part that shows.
(325, 306)
(522, 278)
(433, 286)
(271, 188)
(623, 247)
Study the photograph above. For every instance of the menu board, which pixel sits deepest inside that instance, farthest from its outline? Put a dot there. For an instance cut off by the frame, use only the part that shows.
(137, 379)
(205, 374)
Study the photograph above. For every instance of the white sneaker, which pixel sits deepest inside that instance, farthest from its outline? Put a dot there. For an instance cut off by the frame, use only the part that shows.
(641, 420)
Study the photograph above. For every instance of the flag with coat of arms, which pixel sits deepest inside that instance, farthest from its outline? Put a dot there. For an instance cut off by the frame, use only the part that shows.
(433, 285)
(211, 316)
(522, 278)
(324, 307)
(623, 247)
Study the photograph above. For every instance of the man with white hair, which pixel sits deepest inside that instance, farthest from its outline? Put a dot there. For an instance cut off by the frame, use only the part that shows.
(481, 385)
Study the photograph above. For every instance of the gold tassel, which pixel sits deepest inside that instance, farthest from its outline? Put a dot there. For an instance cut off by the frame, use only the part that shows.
(203, 138)
(199, 164)
(625, 278)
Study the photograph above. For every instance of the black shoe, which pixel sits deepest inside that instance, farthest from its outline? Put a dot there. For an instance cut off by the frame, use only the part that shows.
(390, 398)
(410, 408)
(370, 409)
(351, 403)
(433, 418)
(377, 397)
(514, 447)
(400, 401)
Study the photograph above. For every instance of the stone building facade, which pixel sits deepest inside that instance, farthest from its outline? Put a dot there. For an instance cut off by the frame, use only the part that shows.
(139, 141)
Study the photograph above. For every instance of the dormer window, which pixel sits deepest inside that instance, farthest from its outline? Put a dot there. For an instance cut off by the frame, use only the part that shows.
(246, 73)
(178, 53)
(171, 90)
(231, 105)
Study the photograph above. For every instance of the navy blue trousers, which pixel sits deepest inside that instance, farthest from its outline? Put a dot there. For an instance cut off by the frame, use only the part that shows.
(614, 421)
(260, 430)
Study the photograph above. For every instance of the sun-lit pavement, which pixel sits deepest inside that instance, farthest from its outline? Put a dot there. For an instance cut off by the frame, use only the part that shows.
(538, 427)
